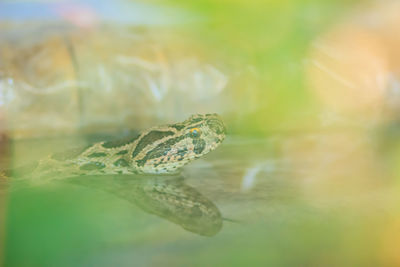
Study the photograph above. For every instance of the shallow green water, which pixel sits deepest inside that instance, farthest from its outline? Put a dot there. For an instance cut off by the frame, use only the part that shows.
(272, 212)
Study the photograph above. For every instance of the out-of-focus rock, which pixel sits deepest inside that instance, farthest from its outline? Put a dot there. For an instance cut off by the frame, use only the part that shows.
(60, 79)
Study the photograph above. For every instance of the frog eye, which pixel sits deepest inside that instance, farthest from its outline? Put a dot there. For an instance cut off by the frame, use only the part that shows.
(195, 132)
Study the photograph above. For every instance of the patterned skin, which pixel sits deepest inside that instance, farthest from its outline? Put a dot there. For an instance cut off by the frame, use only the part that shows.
(158, 150)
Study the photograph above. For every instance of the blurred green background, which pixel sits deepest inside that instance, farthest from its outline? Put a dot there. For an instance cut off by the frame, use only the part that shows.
(269, 43)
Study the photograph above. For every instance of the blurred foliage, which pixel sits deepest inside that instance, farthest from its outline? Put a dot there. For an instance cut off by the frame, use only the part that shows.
(271, 38)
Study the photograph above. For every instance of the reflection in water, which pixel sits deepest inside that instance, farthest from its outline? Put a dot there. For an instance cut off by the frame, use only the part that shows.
(165, 196)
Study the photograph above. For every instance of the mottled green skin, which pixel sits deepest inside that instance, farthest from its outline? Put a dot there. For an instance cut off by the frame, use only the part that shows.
(159, 150)
(117, 167)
